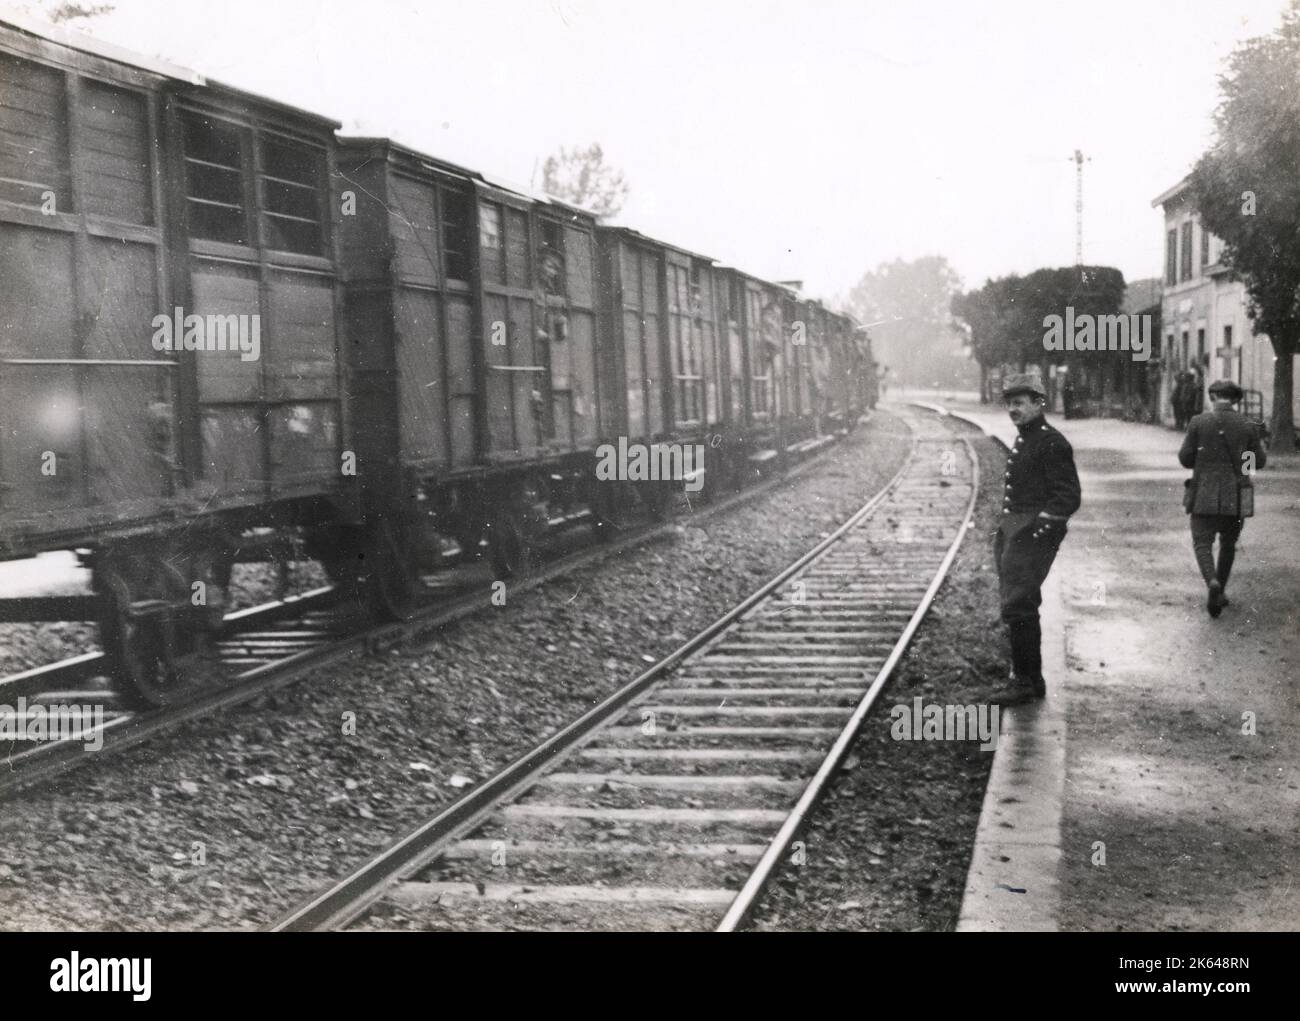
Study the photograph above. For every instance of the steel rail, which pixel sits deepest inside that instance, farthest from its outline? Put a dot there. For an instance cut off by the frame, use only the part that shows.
(740, 908)
(45, 763)
(90, 664)
(350, 897)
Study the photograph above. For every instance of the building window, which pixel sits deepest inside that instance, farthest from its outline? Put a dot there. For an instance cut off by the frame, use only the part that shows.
(1205, 247)
(1227, 336)
(214, 179)
(1201, 355)
(1171, 258)
(1186, 251)
(291, 183)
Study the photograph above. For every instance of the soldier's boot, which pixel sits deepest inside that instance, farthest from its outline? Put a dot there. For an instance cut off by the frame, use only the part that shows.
(1027, 654)
(1227, 554)
(1019, 687)
(1204, 551)
(1214, 601)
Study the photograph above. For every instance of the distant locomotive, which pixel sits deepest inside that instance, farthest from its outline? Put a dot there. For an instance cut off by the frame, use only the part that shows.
(218, 316)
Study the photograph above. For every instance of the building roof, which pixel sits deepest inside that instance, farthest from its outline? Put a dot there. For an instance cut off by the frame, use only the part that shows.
(1173, 193)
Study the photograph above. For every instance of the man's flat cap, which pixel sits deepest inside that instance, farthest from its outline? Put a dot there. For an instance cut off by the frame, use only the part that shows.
(1023, 383)
(1226, 388)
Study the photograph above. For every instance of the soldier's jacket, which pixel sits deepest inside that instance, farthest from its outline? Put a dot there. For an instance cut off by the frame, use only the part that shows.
(1040, 476)
(1213, 449)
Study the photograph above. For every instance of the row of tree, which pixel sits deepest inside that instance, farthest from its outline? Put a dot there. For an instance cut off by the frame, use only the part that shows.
(1005, 319)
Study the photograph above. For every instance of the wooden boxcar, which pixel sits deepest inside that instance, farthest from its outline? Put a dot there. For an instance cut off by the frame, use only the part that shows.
(472, 317)
(169, 370)
(217, 320)
(665, 377)
(759, 338)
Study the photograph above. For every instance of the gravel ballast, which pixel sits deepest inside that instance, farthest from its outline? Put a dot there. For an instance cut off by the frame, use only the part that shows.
(227, 821)
(889, 846)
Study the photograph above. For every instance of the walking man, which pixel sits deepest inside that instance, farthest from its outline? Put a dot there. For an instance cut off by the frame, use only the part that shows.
(1222, 448)
(1041, 492)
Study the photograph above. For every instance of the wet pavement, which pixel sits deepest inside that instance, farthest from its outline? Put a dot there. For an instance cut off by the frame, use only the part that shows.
(1159, 785)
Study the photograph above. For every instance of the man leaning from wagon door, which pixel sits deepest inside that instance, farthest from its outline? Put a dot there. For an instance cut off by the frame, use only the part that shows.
(1041, 492)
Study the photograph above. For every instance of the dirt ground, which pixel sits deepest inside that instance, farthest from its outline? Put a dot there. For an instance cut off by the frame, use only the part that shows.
(1182, 807)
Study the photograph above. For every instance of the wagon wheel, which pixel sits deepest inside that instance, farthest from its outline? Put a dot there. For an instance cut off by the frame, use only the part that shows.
(146, 649)
(715, 484)
(510, 548)
(393, 584)
(213, 565)
(340, 552)
(608, 503)
(658, 500)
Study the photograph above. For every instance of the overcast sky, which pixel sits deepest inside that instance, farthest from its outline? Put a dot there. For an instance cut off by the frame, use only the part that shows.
(805, 139)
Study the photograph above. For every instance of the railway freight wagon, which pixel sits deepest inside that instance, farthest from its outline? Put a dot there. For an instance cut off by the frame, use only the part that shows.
(664, 375)
(758, 344)
(864, 369)
(169, 370)
(844, 394)
(222, 326)
(473, 350)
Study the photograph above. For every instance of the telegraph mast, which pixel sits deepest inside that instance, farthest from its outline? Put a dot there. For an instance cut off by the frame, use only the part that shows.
(1079, 158)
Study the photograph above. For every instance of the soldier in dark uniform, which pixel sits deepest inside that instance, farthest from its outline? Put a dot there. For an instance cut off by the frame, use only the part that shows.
(1215, 448)
(1042, 491)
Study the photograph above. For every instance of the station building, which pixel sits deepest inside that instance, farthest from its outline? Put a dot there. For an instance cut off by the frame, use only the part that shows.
(1203, 314)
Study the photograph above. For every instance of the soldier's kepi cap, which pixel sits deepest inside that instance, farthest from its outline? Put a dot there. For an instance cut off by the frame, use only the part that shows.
(1226, 389)
(1023, 383)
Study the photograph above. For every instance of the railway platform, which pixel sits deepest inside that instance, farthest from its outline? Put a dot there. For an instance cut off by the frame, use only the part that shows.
(1156, 788)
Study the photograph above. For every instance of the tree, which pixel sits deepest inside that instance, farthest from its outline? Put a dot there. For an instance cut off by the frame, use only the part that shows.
(1090, 290)
(991, 316)
(908, 304)
(1247, 190)
(582, 177)
(59, 12)
(1006, 316)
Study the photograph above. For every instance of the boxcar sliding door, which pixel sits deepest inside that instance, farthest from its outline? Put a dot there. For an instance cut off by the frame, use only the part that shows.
(567, 339)
(517, 381)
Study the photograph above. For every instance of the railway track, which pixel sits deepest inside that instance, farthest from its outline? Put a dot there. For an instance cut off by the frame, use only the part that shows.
(268, 647)
(670, 804)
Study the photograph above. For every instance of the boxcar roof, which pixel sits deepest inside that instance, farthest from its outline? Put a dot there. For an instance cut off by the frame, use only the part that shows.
(55, 35)
(272, 105)
(633, 234)
(405, 154)
(759, 280)
(414, 156)
(83, 43)
(543, 198)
